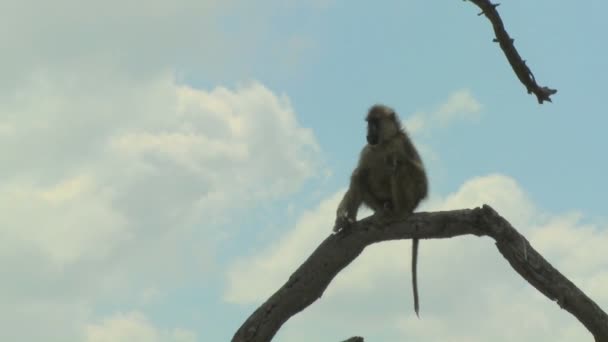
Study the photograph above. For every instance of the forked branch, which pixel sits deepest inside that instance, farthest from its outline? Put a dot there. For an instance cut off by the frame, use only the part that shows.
(310, 280)
(519, 66)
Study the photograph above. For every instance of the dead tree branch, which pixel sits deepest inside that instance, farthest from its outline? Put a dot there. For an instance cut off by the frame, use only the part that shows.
(310, 280)
(506, 44)
(354, 339)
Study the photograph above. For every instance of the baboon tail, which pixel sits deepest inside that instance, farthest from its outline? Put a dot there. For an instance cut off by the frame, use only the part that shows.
(415, 243)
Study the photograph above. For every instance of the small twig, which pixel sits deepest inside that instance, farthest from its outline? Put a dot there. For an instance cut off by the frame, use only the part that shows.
(506, 44)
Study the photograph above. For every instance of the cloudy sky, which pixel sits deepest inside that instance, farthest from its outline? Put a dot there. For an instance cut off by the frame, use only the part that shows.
(166, 165)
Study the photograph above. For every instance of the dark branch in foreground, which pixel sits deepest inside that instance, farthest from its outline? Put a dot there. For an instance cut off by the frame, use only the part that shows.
(506, 44)
(354, 339)
(310, 280)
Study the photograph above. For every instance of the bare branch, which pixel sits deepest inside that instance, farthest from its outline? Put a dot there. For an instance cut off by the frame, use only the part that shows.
(310, 280)
(506, 44)
(354, 339)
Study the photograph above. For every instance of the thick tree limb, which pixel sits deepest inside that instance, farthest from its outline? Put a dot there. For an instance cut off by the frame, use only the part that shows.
(310, 280)
(506, 44)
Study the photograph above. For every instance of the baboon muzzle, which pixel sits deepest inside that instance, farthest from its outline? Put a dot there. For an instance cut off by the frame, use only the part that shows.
(372, 139)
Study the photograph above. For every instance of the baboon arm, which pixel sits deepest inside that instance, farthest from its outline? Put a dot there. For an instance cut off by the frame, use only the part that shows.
(347, 207)
(352, 198)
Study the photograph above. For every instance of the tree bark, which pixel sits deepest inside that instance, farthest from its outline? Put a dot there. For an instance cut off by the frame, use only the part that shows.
(310, 280)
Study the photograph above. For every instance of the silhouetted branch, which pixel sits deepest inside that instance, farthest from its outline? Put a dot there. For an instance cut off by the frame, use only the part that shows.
(506, 44)
(310, 280)
(354, 339)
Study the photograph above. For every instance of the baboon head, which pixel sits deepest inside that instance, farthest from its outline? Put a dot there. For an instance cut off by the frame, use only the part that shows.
(382, 124)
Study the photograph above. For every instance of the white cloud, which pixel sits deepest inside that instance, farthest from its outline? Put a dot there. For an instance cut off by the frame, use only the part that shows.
(504, 194)
(133, 326)
(140, 39)
(459, 106)
(5, 129)
(66, 222)
(114, 176)
(278, 262)
(119, 185)
(468, 291)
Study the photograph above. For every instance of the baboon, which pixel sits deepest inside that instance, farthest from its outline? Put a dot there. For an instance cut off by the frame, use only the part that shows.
(389, 179)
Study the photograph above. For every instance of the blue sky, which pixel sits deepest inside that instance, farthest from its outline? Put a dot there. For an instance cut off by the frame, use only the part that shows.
(167, 165)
